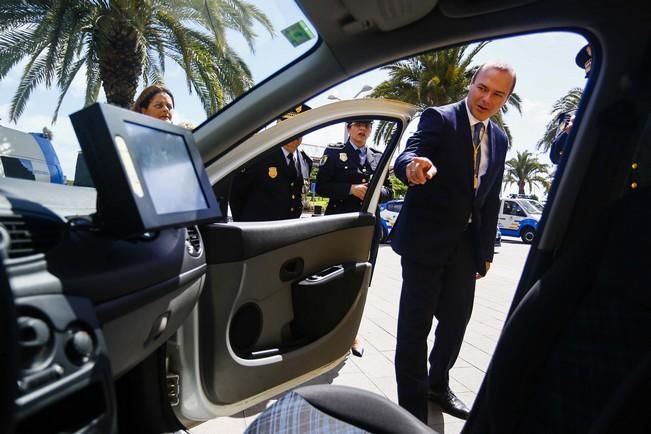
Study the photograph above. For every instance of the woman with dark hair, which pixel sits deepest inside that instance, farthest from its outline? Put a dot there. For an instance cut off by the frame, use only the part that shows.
(155, 101)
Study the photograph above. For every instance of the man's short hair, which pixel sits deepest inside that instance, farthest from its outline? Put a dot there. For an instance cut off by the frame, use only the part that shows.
(500, 66)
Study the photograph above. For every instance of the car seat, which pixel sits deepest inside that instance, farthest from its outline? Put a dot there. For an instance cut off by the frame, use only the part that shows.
(335, 409)
(575, 355)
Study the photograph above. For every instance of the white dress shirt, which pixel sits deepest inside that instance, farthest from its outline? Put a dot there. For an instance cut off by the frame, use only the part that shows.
(485, 155)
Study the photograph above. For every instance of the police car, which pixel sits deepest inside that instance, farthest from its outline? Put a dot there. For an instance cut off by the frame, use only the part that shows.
(519, 217)
(388, 214)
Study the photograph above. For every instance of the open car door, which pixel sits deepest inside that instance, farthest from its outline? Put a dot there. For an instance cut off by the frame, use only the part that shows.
(283, 299)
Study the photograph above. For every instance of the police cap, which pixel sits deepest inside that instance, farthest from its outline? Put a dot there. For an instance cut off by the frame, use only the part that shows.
(359, 121)
(583, 55)
(293, 112)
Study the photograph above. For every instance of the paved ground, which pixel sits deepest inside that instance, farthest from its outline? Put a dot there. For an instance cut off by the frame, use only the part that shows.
(375, 371)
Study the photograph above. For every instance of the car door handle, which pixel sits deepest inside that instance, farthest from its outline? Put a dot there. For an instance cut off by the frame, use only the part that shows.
(325, 275)
(292, 269)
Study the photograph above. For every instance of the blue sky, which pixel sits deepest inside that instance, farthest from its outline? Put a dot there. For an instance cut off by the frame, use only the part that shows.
(544, 64)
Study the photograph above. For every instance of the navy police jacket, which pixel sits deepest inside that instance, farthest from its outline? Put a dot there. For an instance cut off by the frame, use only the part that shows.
(340, 168)
(265, 191)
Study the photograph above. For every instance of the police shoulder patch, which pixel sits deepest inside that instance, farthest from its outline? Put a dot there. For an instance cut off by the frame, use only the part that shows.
(336, 146)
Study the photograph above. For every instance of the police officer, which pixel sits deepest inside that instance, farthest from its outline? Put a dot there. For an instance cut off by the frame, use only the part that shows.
(343, 177)
(565, 120)
(347, 168)
(272, 189)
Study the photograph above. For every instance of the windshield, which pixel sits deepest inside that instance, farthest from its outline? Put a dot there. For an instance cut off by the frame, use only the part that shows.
(539, 206)
(529, 207)
(223, 50)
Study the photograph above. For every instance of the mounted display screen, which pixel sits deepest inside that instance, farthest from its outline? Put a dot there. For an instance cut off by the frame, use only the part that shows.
(148, 173)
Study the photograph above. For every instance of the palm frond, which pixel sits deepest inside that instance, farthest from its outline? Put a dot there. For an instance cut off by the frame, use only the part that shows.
(565, 104)
(93, 80)
(34, 74)
(65, 85)
(60, 38)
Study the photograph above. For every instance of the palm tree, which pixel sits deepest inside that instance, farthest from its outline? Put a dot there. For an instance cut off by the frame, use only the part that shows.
(432, 79)
(119, 42)
(525, 169)
(567, 103)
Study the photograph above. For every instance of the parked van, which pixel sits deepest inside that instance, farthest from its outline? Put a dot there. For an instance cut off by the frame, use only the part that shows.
(519, 217)
(28, 156)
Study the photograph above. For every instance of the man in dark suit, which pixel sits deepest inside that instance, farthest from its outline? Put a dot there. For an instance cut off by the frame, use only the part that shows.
(343, 177)
(272, 189)
(346, 170)
(445, 232)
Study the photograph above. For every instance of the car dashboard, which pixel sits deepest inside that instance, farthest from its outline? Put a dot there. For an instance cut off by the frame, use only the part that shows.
(89, 306)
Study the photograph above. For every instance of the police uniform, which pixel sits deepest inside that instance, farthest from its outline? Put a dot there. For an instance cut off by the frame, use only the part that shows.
(340, 169)
(268, 191)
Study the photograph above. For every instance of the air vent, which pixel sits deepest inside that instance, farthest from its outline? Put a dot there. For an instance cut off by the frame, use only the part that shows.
(29, 236)
(193, 241)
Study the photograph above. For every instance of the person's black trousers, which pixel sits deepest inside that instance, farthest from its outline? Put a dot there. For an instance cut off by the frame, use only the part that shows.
(446, 292)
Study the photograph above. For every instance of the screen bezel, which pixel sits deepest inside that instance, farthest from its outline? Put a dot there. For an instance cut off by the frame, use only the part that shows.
(123, 211)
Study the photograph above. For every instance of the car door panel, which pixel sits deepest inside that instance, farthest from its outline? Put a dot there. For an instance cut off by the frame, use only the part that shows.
(253, 323)
(249, 239)
(283, 300)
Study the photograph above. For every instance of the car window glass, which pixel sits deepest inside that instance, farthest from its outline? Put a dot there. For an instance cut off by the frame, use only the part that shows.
(532, 121)
(320, 172)
(528, 207)
(508, 207)
(517, 210)
(539, 206)
(258, 39)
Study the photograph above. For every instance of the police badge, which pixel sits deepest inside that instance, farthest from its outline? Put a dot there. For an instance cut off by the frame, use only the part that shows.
(273, 172)
(343, 156)
(324, 159)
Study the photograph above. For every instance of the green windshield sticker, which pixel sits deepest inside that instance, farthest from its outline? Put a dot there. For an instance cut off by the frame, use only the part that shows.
(298, 33)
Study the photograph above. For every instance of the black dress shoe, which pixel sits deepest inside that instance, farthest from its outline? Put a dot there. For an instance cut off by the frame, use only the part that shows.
(357, 350)
(449, 403)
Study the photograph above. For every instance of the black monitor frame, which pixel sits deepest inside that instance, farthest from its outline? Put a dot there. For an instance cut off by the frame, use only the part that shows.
(125, 205)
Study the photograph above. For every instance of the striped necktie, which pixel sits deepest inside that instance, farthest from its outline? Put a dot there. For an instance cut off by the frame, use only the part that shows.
(477, 135)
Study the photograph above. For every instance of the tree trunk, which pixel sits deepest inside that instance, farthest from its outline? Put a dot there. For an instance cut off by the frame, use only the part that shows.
(120, 60)
(521, 185)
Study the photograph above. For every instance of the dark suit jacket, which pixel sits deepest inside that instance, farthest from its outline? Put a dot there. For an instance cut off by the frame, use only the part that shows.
(265, 191)
(435, 214)
(340, 169)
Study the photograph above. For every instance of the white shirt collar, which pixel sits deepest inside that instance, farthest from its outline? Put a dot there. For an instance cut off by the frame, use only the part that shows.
(473, 120)
(355, 147)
